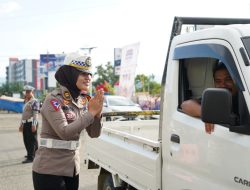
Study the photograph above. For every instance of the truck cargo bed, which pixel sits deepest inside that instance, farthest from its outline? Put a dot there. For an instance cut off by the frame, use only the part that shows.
(130, 149)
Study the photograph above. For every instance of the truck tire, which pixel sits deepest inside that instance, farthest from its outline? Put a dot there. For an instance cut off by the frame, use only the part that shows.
(105, 182)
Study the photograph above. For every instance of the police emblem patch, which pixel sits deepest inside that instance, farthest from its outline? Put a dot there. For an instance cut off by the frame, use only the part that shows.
(56, 105)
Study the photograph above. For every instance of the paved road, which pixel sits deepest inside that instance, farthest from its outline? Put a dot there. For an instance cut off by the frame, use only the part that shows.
(17, 176)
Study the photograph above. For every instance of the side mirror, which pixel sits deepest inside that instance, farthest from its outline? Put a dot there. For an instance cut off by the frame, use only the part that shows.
(216, 107)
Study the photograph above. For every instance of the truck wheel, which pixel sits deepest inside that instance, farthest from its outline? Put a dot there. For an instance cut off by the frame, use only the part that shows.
(108, 183)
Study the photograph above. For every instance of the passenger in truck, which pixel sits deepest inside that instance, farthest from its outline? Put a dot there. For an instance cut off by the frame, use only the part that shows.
(222, 79)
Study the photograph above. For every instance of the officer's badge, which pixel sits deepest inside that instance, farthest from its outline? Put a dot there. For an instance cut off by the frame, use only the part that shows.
(88, 62)
(55, 104)
(66, 95)
(27, 108)
(66, 102)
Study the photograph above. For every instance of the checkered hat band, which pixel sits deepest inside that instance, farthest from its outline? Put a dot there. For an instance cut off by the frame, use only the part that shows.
(79, 66)
(80, 63)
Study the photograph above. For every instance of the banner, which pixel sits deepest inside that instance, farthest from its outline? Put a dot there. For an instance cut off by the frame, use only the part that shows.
(49, 63)
(117, 60)
(128, 68)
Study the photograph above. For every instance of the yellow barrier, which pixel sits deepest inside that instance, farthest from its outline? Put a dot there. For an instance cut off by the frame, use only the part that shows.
(131, 113)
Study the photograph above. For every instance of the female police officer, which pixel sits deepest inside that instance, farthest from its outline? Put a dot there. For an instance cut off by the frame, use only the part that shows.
(65, 113)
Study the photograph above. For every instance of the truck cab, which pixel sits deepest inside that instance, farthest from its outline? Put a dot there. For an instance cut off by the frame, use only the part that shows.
(191, 158)
(180, 154)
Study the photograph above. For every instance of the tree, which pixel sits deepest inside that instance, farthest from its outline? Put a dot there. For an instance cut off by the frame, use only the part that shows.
(145, 83)
(9, 88)
(105, 75)
(140, 83)
(155, 88)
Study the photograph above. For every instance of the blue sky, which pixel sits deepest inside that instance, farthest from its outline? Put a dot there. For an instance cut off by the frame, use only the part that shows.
(30, 28)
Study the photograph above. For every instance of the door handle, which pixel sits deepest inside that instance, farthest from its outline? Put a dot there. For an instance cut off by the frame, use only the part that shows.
(175, 138)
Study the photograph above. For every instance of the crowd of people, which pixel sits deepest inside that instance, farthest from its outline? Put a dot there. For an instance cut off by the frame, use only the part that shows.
(148, 102)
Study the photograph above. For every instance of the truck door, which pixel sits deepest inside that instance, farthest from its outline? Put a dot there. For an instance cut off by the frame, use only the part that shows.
(193, 159)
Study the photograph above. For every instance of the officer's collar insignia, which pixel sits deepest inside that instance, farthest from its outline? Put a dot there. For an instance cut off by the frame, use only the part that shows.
(88, 97)
(66, 95)
(84, 101)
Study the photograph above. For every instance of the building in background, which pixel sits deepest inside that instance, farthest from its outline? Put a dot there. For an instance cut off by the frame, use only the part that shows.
(10, 70)
(34, 72)
(24, 71)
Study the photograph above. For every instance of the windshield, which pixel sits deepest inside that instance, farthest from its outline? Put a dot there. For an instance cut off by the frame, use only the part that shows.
(117, 101)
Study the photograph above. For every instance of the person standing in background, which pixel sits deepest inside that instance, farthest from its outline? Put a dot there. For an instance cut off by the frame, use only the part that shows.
(29, 123)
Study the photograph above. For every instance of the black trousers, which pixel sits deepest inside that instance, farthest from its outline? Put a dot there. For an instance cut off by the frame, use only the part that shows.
(30, 140)
(53, 182)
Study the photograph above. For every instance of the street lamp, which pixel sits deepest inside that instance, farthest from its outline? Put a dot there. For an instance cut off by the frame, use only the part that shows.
(87, 50)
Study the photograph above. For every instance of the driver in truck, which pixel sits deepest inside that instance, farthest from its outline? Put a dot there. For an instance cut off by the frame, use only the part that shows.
(222, 79)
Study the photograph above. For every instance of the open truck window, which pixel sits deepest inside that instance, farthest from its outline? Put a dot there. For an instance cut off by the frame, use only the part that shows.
(196, 75)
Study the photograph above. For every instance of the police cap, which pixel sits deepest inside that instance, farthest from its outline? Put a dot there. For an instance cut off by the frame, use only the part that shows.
(79, 61)
(28, 88)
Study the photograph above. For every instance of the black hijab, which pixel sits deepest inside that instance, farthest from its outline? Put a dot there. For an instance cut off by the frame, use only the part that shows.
(67, 76)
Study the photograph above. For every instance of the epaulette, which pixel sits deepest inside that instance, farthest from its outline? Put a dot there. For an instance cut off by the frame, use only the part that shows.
(85, 99)
(56, 92)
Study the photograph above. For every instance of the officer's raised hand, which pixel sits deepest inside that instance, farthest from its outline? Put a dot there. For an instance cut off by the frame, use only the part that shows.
(96, 104)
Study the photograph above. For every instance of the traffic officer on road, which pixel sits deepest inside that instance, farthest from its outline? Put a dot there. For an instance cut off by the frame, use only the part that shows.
(29, 123)
(65, 114)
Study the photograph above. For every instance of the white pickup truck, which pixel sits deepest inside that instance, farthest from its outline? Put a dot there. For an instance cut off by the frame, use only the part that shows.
(174, 152)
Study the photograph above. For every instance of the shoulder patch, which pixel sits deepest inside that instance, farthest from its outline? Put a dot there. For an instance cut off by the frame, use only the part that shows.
(56, 105)
(55, 92)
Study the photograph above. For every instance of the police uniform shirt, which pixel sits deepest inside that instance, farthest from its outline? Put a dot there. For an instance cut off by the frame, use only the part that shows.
(30, 111)
(63, 119)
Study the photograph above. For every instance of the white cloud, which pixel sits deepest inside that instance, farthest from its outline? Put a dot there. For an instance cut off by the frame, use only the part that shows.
(9, 7)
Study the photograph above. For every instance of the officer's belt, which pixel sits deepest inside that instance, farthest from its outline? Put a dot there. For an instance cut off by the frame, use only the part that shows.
(59, 144)
(27, 120)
